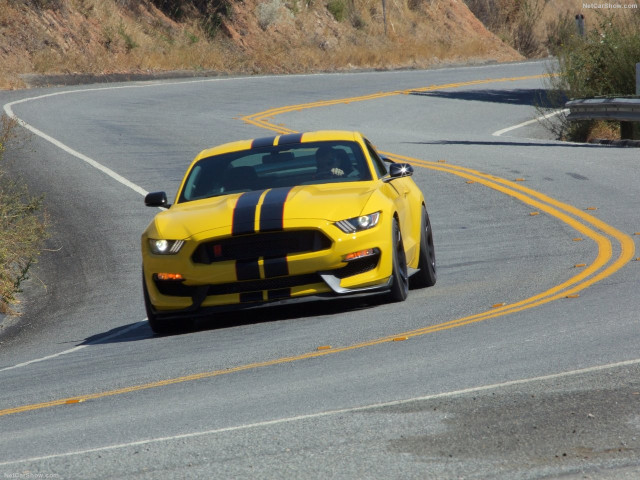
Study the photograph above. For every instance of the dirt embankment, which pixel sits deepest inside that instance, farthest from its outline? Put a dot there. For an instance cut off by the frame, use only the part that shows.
(101, 37)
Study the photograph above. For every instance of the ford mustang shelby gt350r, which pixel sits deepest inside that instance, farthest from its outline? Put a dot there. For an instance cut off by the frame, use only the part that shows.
(255, 221)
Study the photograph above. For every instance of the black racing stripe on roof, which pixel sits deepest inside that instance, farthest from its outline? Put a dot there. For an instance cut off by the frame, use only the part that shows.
(244, 213)
(290, 138)
(263, 142)
(272, 210)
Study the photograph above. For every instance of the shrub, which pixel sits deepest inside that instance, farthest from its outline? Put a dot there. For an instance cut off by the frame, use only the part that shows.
(603, 62)
(212, 12)
(268, 13)
(560, 32)
(515, 22)
(129, 43)
(600, 64)
(45, 4)
(338, 9)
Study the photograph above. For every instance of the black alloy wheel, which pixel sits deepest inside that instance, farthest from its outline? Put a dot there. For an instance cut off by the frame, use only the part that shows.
(400, 284)
(426, 275)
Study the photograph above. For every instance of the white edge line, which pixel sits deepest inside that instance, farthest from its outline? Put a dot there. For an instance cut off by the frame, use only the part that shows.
(75, 349)
(324, 414)
(117, 177)
(529, 122)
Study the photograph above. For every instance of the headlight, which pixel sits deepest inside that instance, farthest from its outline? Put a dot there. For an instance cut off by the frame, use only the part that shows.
(357, 224)
(165, 247)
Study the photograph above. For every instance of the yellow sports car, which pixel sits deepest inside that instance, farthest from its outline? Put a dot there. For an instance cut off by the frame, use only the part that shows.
(269, 219)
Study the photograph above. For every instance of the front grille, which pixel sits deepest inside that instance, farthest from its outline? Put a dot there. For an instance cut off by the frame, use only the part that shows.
(177, 289)
(250, 247)
(267, 284)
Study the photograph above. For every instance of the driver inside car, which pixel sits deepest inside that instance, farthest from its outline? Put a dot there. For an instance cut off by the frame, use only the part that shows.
(327, 163)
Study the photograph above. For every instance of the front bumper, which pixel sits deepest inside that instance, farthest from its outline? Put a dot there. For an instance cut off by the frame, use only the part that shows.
(247, 281)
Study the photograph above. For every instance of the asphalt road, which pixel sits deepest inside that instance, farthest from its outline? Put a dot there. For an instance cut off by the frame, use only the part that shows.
(521, 363)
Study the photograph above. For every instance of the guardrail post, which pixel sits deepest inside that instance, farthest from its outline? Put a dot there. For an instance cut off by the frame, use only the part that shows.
(627, 131)
(631, 130)
(384, 15)
(580, 24)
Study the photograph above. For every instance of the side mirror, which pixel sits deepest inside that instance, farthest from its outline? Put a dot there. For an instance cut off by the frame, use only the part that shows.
(387, 160)
(400, 170)
(156, 199)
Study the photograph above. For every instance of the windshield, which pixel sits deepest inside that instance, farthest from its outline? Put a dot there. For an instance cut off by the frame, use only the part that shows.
(273, 167)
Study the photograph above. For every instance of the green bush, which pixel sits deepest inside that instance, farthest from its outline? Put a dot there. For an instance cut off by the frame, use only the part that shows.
(602, 63)
(338, 9)
(213, 12)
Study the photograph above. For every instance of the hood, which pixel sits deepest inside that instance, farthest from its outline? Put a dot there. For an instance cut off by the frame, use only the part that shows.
(330, 202)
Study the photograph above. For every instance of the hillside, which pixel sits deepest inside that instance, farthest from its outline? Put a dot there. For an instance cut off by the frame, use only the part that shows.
(102, 37)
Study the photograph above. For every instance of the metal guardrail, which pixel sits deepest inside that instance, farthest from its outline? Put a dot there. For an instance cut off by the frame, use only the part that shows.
(620, 109)
(624, 110)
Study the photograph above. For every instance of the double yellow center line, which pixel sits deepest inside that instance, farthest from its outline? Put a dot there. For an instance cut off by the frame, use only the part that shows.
(589, 226)
(264, 119)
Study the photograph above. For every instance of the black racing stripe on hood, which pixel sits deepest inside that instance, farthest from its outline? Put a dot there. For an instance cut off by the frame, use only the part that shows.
(244, 213)
(272, 210)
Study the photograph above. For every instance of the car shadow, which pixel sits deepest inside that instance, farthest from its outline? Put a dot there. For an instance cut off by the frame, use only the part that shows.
(519, 96)
(513, 143)
(260, 314)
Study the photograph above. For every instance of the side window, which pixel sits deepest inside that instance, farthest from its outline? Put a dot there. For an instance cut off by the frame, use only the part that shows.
(190, 191)
(378, 164)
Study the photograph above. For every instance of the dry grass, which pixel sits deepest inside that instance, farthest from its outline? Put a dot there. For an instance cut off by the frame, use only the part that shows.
(110, 36)
(22, 228)
(604, 130)
(427, 35)
(537, 28)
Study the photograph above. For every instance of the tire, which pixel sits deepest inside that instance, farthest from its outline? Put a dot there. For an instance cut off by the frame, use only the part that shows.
(400, 283)
(426, 275)
(162, 326)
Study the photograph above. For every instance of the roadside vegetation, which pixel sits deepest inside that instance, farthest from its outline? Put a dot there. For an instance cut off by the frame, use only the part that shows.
(599, 64)
(518, 23)
(248, 37)
(22, 228)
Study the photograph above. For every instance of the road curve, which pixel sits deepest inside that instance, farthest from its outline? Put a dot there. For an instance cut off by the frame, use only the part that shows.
(520, 363)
